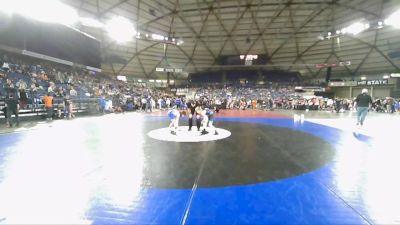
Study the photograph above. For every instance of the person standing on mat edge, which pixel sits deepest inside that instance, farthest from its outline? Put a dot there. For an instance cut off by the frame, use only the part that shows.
(363, 103)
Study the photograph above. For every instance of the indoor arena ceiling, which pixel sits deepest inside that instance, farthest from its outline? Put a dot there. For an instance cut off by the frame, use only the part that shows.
(286, 30)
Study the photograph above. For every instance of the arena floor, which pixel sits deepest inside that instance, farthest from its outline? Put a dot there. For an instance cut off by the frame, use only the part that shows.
(267, 169)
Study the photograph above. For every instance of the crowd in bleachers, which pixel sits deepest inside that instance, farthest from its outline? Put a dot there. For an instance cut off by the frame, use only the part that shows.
(32, 79)
(284, 97)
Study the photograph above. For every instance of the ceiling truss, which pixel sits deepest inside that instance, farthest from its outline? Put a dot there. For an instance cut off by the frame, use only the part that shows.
(285, 30)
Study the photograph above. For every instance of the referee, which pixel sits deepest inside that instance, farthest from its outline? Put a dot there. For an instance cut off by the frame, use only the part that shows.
(192, 106)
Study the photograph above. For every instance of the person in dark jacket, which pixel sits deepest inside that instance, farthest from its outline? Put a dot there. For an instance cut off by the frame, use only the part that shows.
(363, 103)
(12, 108)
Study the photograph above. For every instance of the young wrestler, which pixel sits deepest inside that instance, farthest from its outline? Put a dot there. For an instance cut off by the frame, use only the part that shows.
(210, 114)
(173, 115)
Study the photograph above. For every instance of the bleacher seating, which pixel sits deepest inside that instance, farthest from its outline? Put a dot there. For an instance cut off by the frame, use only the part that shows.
(81, 105)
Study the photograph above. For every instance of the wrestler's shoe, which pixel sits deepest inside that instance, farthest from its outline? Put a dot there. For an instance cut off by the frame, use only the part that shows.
(204, 132)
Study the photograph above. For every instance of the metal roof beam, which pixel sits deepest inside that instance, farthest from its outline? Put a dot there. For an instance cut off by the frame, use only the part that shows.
(170, 31)
(196, 35)
(253, 18)
(136, 54)
(265, 3)
(267, 26)
(187, 55)
(229, 33)
(99, 15)
(377, 49)
(197, 40)
(305, 51)
(310, 18)
(141, 66)
(346, 6)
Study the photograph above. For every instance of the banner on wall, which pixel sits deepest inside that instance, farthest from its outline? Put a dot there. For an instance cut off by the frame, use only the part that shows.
(342, 83)
(182, 91)
(372, 82)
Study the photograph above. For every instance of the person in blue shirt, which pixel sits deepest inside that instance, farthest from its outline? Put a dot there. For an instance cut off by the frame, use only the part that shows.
(129, 105)
(178, 103)
(397, 105)
(102, 104)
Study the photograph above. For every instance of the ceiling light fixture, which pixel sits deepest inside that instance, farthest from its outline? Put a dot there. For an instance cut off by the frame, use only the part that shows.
(356, 28)
(89, 22)
(394, 19)
(120, 29)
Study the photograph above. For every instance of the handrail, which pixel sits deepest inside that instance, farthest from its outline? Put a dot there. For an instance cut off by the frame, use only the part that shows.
(35, 107)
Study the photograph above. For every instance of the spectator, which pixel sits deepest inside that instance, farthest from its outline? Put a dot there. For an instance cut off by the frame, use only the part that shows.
(144, 103)
(149, 106)
(9, 84)
(68, 114)
(168, 103)
(23, 98)
(102, 104)
(109, 106)
(12, 108)
(4, 109)
(48, 104)
(73, 92)
(159, 103)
